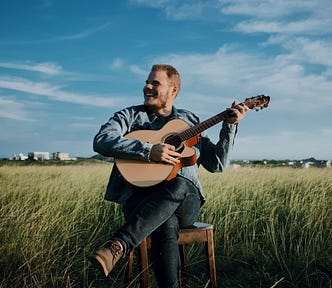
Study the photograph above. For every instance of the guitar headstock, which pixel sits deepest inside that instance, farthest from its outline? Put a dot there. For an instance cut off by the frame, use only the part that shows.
(257, 102)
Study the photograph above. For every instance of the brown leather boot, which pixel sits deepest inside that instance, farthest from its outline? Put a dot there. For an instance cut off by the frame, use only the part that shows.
(107, 256)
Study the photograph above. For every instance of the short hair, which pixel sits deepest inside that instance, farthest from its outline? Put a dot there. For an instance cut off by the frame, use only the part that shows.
(172, 73)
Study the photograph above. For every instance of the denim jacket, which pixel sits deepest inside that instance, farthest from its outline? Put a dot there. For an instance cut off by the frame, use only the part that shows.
(110, 142)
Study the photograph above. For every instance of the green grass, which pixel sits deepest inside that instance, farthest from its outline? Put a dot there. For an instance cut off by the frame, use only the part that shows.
(272, 227)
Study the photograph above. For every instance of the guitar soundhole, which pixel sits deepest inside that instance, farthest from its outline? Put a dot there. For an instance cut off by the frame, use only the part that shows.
(175, 140)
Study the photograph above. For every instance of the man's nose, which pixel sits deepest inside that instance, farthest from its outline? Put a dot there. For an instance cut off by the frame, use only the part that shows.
(149, 85)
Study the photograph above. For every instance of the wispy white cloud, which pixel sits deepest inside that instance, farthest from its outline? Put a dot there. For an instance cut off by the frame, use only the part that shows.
(192, 10)
(83, 126)
(117, 64)
(270, 9)
(46, 67)
(137, 70)
(80, 35)
(53, 92)
(13, 110)
(305, 50)
(59, 38)
(303, 27)
(181, 9)
(283, 17)
(83, 118)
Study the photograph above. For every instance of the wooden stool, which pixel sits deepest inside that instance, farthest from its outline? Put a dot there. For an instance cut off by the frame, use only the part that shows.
(198, 233)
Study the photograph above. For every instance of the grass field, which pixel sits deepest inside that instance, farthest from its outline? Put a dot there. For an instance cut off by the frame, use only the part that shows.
(272, 227)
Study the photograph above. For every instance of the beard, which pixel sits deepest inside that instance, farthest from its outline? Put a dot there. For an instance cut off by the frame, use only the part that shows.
(154, 108)
(158, 103)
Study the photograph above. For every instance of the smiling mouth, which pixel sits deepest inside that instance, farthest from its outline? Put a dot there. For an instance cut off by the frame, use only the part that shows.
(150, 95)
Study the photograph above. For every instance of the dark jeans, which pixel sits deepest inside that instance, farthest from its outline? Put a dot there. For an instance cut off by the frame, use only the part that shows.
(160, 211)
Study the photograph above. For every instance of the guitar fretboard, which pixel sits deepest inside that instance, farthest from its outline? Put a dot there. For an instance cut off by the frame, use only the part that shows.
(200, 127)
(177, 139)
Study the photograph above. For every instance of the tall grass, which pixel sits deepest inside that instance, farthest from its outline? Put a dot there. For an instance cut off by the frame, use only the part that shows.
(272, 227)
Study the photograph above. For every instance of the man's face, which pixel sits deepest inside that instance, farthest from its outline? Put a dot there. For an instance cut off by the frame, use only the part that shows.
(159, 93)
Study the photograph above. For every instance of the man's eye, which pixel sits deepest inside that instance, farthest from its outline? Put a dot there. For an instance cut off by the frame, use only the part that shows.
(154, 83)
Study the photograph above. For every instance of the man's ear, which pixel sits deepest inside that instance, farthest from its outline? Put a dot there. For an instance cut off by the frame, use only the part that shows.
(175, 91)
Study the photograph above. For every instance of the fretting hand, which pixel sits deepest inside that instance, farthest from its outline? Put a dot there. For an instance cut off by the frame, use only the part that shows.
(236, 113)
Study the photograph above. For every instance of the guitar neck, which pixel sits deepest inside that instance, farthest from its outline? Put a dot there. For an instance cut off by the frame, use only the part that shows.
(256, 102)
(200, 127)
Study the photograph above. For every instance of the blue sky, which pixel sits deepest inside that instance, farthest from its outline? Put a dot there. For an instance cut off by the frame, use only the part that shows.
(66, 66)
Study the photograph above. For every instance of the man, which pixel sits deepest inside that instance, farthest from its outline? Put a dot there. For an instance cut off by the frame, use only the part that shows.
(160, 210)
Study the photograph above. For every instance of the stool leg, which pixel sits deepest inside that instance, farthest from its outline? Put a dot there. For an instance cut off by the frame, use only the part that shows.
(144, 264)
(129, 269)
(182, 253)
(209, 247)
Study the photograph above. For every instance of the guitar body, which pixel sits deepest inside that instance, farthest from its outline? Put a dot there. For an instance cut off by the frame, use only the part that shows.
(145, 174)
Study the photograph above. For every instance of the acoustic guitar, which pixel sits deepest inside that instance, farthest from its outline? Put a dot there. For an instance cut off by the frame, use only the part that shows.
(179, 134)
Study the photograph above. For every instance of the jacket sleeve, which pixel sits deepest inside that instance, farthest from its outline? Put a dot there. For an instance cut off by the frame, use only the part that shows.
(110, 140)
(216, 157)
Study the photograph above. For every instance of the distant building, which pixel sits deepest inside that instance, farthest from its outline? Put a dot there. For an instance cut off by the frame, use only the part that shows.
(316, 163)
(308, 164)
(61, 156)
(39, 155)
(19, 156)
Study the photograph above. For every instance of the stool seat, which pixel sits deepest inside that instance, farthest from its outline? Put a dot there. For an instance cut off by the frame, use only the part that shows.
(199, 232)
